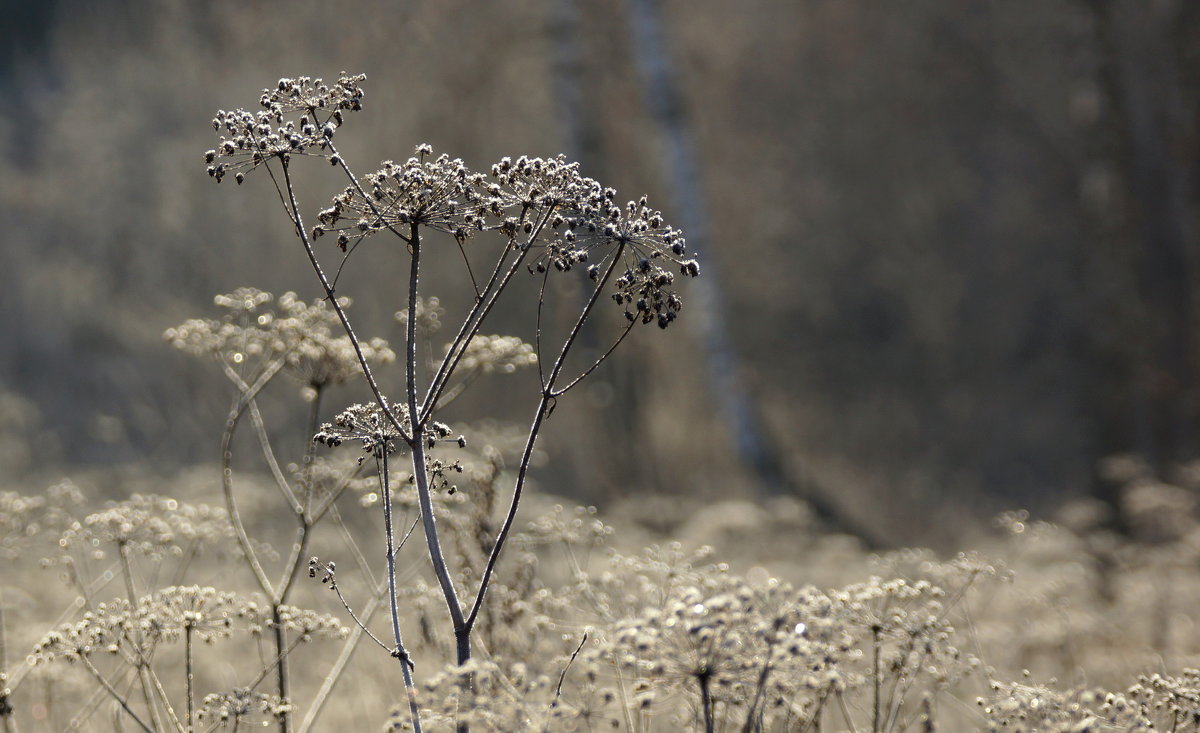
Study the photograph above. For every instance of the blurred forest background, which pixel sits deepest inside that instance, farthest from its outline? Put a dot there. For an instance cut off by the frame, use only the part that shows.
(952, 246)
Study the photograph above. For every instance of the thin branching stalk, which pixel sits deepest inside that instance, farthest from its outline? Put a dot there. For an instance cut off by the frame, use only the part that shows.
(140, 661)
(354, 181)
(310, 447)
(624, 700)
(360, 624)
(292, 567)
(231, 422)
(814, 723)
(95, 673)
(562, 678)
(127, 571)
(302, 233)
(400, 651)
(85, 712)
(617, 342)
(462, 632)
(185, 563)
(328, 504)
(702, 680)
(352, 545)
(903, 681)
(162, 696)
(480, 312)
(339, 666)
(841, 699)
(287, 578)
(286, 582)
(876, 681)
(280, 591)
(545, 404)
(6, 710)
(281, 665)
(266, 670)
(537, 329)
(137, 657)
(473, 321)
(264, 440)
(275, 593)
(761, 685)
(189, 677)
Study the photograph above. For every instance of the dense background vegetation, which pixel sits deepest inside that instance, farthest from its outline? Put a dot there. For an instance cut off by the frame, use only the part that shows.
(957, 242)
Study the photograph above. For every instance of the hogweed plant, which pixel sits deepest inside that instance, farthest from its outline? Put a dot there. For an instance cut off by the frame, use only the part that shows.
(528, 216)
(257, 339)
(146, 544)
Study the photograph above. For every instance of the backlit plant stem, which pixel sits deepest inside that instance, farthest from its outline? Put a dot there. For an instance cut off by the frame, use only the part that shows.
(231, 422)
(302, 233)
(400, 652)
(543, 408)
(462, 631)
(189, 677)
(95, 673)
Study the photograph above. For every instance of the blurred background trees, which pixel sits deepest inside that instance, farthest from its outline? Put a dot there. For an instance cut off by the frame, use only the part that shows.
(956, 241)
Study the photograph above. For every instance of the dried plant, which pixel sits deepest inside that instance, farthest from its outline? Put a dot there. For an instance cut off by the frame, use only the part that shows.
(539, 215)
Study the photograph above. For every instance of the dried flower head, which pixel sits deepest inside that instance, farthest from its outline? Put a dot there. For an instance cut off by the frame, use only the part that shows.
(419, 192)
(494, 353)
(1028, 707)
(24, 518)
(242, 706)
(586, 225)
(307, 336)
(150, 525)
(368, 424)
(429, 316)
(166, 615)
(251, 139)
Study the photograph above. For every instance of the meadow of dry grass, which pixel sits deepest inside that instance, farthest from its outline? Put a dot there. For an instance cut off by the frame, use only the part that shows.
(747, 613)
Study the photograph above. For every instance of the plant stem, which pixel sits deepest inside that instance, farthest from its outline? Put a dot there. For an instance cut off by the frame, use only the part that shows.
(298, 221)
(91, 668)
(6, 710)
(875, 677)
(127, 576)
(231, 422)
(763, 674)
(291, 568)
(478, 313)
(310, 447)
(281, 668)
(189, 678)
(841, 698)
(462, 632)
(543, 408)
(162, 695)
(264, 440)
(400, 652)
(705, 701)
(339, 666)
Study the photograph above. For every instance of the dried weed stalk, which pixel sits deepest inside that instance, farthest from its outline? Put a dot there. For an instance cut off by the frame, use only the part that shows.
(532, 214)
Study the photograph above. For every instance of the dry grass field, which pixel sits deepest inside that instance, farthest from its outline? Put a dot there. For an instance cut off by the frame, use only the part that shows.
(733, 616)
